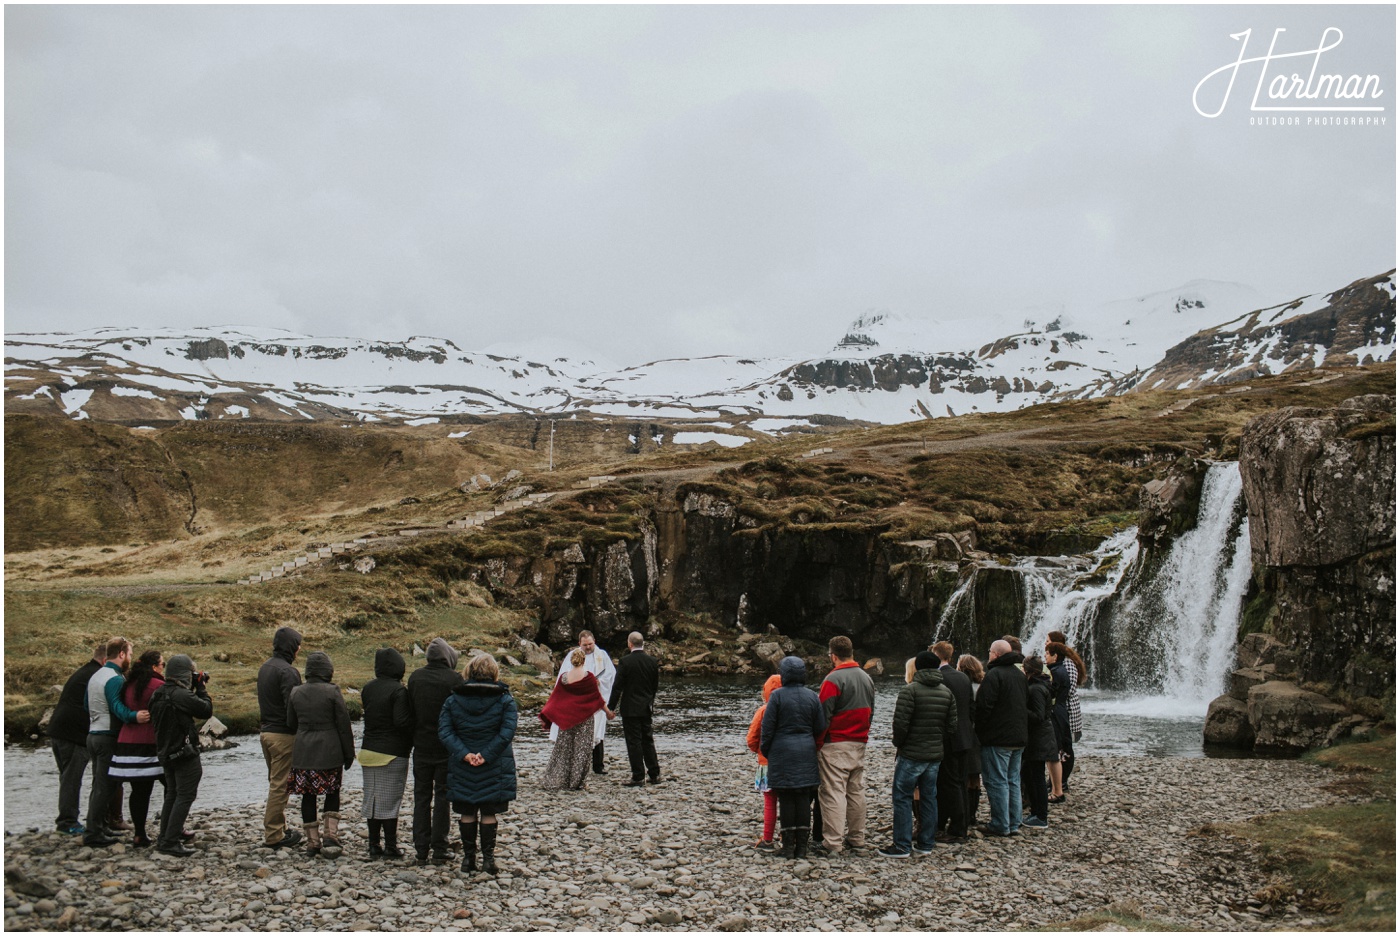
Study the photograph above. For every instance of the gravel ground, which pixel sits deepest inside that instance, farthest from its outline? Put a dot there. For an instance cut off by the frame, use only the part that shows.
(678, 856)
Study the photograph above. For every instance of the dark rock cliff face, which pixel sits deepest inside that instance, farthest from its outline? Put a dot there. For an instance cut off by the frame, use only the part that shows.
(1320, 487)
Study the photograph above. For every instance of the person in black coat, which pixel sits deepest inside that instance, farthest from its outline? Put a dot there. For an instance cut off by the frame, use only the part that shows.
(633, 693)
(1041, 747)
(952, 776)
(1000, 721)
(174, 707)
(428, 688)
(68, 731)
(276, 680)
(792, 723)
(388, 739)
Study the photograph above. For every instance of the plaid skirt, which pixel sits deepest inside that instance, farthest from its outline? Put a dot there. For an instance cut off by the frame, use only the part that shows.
(384, 788)
(314, 782)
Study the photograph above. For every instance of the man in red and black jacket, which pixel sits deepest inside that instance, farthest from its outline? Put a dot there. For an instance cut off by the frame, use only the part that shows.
(848, 697)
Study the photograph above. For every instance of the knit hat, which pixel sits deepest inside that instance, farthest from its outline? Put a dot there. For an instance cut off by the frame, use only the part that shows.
(927, 659)
(179, 670)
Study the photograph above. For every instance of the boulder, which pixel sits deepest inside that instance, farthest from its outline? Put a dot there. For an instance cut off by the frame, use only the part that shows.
(537, 656)
(418, 651)
(875, 666)
(1227, 723)
(767, 654)
(364, 565)
(1168, 506)
(1243, 680)
(213, 728)
(1289, 719)
(45, 719)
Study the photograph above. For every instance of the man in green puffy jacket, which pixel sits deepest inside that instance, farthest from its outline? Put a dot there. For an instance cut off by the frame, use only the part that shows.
(925, 716)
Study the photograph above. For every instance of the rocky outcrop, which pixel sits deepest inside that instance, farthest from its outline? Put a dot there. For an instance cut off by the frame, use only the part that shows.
(1168, 506)
(1288, 719)
(1320, 489)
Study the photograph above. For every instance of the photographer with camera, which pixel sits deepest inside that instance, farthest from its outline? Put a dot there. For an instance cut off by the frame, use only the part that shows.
(174, 707)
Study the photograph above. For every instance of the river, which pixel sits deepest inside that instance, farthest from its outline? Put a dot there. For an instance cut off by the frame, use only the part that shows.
(692, 716)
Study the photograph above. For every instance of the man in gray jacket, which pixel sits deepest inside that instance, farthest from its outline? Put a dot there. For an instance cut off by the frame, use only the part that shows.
(925, 719)
(276, 680)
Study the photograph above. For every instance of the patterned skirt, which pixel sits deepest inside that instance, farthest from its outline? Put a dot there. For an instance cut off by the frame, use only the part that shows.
(760, 779)
(314, 782)
(570, 759)
(131, 761)
(384, 788)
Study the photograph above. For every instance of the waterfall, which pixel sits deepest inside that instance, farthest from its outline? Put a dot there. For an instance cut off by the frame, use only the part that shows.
(1183, 616)
(1160, 625)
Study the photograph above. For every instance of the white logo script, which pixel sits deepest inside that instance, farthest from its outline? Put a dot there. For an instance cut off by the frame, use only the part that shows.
(1284, 88)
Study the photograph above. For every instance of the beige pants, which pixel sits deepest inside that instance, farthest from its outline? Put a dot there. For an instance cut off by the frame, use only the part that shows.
(277, 753)
(842, 794)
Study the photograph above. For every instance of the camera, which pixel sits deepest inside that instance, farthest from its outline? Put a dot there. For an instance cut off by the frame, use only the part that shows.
(202, 678)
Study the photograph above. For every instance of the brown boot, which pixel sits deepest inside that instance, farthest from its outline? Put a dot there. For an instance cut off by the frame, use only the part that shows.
(330, 842)
(313, 837)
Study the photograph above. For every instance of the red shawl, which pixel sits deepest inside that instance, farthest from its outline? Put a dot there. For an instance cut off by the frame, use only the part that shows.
(571, 704)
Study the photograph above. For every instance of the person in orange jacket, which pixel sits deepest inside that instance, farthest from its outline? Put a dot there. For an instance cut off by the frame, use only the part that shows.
(760, 780)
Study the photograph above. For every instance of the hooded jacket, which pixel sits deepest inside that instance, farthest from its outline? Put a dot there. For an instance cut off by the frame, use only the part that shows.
(479, 717)
(276, 680)
(925, 716)
(388, 710)
(316, 712)
(175, 706)
(1040, 727)
(755, 737)
(1001, 704)
(792, 723)
(428, 688)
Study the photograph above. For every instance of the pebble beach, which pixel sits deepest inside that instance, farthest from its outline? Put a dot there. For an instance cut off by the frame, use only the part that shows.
(678, 856)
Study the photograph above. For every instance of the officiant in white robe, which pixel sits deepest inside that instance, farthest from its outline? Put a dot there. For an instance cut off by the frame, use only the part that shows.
(600, 664)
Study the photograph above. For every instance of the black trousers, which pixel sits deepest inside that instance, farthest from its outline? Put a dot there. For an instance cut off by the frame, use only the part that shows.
(431, 818)
(641, 747)
(181, 787)
(952, 794)
(598, 757)
(795, 807)
(1033, 782)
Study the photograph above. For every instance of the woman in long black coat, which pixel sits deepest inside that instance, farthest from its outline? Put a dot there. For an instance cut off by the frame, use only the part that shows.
(384, 750)
(792, 723)
(1041, 747)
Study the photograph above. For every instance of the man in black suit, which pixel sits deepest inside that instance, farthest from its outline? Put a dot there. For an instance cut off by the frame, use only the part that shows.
(952, 776)
(632, 695)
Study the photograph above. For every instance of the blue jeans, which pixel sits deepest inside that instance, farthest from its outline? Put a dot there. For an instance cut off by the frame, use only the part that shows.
(909, 774)
(1001, 775)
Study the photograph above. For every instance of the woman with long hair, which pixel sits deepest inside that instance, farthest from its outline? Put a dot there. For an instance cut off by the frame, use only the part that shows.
(972, 667)
(577, 696)
(135, 760)
(1077, 673)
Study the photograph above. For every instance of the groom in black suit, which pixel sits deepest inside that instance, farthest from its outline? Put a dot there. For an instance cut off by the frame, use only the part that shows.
(632, 696)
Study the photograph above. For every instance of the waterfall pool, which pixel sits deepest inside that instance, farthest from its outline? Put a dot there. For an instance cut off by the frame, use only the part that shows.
(692, 717)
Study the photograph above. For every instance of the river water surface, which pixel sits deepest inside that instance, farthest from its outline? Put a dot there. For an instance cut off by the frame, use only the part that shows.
(693, 717)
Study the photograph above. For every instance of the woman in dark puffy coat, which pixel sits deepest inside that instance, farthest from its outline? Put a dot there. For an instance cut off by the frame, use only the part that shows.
(477, 726)
(384, 750)
(323, 750)
(792, 723)
(1041, 746)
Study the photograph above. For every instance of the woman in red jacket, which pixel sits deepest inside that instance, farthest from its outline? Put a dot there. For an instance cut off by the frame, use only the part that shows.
(134, 761)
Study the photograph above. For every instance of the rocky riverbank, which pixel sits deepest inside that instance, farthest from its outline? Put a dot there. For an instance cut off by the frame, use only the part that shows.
(677, 856)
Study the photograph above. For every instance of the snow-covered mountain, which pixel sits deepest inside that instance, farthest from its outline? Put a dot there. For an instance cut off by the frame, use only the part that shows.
(885, 368)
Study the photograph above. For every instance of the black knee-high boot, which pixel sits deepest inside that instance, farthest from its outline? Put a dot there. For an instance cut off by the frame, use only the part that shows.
(391, 838)
(488, 847)
(374, 850)
(469, 846)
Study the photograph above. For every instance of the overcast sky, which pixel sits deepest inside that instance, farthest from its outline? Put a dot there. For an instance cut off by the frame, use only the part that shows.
(666, 181)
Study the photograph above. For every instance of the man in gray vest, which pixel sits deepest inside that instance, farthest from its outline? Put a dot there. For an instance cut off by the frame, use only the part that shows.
(106, 712)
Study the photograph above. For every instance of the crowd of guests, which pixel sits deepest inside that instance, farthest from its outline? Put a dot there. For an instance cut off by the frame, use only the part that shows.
(1006, 726)
(956, 729)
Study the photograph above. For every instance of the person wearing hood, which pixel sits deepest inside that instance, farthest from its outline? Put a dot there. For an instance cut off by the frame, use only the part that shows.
(925, 717)
(276, 680)
(569, 718)
(388, 738)
(323, 749)
(760, 780)
(792, 722)
(1041, 746)
(477, 729)
(428, 689)
(1001, 722)
(174, 707)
